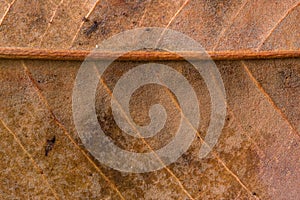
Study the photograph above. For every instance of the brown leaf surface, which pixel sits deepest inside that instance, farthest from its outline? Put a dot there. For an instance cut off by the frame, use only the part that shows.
(257, 155)
(258, 152)
(217, 25)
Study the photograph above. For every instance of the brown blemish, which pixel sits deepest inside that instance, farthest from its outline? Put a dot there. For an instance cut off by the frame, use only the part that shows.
(49, 145)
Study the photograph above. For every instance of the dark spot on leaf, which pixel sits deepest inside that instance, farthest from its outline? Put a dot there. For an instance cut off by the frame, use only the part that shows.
(49, 145)
(84, 19)
(92, 28)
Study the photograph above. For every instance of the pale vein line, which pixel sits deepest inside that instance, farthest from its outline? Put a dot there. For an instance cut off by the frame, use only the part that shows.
(224, 30)
(198, 134)
(177, 13)
(228, 168)
(269, 99)
(50, 22)
(145, 11)
(205, 143)
(239, 194)
(81, 24)
(144, 141)
(276, 25)
(171, 20)
(39, 169)
(68, 134)
(237, 178)
(6, 12)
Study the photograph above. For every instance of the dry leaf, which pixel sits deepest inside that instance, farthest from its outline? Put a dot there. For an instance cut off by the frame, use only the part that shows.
(257, 155)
